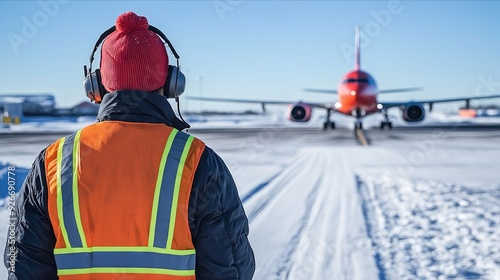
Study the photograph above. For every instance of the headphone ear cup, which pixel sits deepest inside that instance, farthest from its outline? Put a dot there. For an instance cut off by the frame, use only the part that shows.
(87, 85)
(175, 83)
(101, 91)
(180, 86)
(93, 87)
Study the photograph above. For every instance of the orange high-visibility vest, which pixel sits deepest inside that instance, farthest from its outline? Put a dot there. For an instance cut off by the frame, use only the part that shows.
(118, 196)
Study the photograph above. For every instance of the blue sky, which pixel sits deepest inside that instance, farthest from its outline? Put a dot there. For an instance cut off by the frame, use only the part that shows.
(264, 49)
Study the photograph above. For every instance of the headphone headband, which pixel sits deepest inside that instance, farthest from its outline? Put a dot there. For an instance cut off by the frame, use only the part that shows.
(113, 29)
(174, 86)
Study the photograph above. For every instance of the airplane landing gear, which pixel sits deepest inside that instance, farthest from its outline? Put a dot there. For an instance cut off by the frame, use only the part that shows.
(359, 114)
(358, 125)
(386, 123)
(328, 124)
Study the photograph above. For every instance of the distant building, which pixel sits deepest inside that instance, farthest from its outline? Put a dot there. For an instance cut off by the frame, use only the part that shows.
(41, 105)
(480, 111)
(85, 109)
(11, 112)
(32, 104)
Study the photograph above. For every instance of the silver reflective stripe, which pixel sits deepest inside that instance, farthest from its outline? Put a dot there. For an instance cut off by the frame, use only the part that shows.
(67, 182)
(164, 216)
(125, 259)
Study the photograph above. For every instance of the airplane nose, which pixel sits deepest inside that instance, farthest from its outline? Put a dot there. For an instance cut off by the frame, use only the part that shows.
(358, 90)
(357, 95)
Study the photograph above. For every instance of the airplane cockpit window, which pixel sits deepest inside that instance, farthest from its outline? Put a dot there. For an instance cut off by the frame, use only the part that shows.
(360, 81)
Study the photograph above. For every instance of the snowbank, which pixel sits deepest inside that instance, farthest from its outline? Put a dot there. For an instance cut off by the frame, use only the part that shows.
(431, 230)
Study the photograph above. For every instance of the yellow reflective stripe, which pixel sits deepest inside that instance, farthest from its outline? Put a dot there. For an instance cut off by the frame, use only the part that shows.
(163, 161)
(125, 249)
(59, 193)
(177, 187)
(131, 270)
(76, 202)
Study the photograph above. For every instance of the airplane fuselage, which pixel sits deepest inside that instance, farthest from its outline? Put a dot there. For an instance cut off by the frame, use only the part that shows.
(357, 94)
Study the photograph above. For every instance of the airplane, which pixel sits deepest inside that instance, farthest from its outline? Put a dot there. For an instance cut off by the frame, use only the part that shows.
(357, 97)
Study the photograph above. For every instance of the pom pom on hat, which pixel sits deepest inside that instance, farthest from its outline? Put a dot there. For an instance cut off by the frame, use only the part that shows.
(133, 57)
(129, 21)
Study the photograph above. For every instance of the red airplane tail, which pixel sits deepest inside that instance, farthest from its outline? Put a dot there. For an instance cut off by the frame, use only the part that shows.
(358, 62)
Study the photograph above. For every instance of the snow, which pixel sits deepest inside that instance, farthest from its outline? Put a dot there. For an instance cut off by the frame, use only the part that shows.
(416, 204)
(47, 124)
(432, 230)
(318, 213)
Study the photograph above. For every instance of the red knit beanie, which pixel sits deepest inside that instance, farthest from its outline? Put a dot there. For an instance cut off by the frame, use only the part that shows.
(133, 57)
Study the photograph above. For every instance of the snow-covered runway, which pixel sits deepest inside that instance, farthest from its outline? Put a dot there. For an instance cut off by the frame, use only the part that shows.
(308, 224)
(323, 207)
(419, 203)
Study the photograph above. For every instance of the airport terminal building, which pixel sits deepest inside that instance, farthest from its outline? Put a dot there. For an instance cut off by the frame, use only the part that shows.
(30, 104)
(17, 106)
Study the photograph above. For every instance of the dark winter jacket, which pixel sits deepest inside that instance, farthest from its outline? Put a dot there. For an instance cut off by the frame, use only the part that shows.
(219, 226)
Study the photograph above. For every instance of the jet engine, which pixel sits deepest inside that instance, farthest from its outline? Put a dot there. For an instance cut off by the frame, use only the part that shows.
(299, 112)
(413, 112)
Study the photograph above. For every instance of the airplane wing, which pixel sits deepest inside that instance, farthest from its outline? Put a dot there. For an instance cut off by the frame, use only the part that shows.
(397, 90)
(263, 102)
(330, 91)
(387, 105)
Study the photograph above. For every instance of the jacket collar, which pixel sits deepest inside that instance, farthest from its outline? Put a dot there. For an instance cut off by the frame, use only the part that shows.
(138, 106)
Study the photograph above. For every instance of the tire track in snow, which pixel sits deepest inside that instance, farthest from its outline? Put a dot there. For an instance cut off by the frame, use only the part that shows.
(259, 187)
(378, 259)
(310, 223)
(275, 186)
(312, 250)
(284, 269)
(334, 244)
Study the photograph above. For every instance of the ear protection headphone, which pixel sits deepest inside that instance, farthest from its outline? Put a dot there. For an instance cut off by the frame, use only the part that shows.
(175, 83)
